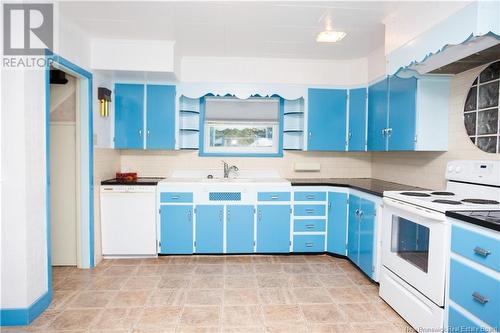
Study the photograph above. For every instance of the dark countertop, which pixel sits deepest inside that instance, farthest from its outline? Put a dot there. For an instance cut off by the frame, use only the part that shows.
(140, 181)
(489, 219)
(368, 185)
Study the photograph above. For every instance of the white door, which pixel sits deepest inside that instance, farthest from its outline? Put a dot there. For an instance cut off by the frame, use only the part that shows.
(63, 193)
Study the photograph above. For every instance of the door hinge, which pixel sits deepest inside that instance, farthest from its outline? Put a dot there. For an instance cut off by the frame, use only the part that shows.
(416, 137)
(346, 246)
(290, 211)
(195, 210)
(347, 200)
(194, 243)
(253, 243)
(254, 211)
(290, 243)
(159, 244)
(159, 211)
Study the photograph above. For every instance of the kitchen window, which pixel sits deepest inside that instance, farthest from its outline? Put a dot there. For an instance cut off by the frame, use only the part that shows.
(235, 126)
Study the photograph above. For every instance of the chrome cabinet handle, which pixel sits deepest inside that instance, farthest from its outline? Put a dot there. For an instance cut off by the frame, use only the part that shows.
(310, 196)
(309, 211)
(174, 197)
(384, 132)
(482, 252)
(479, 298)
(309, 244)
(389, 131)
(190, 216)
(361, 213)
(274, 197)
(147, 133)
(140, 132)
(310, 134)
(356, 212)
(310, 226)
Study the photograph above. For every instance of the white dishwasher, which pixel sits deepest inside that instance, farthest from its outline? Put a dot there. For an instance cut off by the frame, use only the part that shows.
(128, 220)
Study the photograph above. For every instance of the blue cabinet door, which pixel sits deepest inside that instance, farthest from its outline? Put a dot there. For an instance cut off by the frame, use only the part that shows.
(357, 119)
(273, 228)
(327, 109)
(402, 113)
(337, 223)
(209, 229)
(377, 115)
(160, 113)
(353, 229)
(176, 229)
(129, 116)
(366, 233)
(239, 228)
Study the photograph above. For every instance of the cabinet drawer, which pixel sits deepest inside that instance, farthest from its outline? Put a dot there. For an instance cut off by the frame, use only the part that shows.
(457, 322)
(308, 243)
(176, 197)
(477, 247)
(309, 196)
(476, 292)
(309, 210)
(273, 196)
(309, 225)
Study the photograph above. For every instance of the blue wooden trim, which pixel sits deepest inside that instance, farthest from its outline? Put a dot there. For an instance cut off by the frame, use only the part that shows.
(21, 317)
(82, 72)
(48, 55)
(201, 139)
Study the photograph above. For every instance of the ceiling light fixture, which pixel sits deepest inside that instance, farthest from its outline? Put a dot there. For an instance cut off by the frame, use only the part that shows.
(329, 36)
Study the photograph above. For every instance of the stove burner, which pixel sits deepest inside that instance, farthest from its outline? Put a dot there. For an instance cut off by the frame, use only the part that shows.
(448, 202)
(443, 193)
(416, 194)
(481, 201)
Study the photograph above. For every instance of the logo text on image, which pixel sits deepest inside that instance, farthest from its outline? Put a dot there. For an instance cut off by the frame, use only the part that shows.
(28, 28)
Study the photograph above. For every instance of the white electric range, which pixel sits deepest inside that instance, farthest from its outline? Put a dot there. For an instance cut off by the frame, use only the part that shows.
(415, 239)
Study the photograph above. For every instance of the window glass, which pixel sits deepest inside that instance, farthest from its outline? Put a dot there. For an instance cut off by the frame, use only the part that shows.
(481, 110)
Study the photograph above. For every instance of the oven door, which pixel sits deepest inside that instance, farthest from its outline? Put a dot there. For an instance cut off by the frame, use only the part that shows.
(414, 243)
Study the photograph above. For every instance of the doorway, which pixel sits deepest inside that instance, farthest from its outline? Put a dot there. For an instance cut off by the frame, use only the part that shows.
(64, 174)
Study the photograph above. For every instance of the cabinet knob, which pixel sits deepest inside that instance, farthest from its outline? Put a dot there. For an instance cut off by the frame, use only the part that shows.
(140, 132)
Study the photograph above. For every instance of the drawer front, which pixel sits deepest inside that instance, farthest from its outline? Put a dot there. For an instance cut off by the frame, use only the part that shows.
(309, 225)
(308, 243)
(477, 247)
(309, 196)
(273, 196)
(309, 210)
(476, 292)
(457, 322)
(176, 197)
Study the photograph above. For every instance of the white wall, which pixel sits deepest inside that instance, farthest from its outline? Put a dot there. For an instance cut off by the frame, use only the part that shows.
(268, 70)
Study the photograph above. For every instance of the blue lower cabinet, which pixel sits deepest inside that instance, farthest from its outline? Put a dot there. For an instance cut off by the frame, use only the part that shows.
(176, 222)
(477, 247)
(337, 223)
(239, 229)
(309, 210)
(308, 243)
(366, 236)
(353, 229)
(209, 229)
(457, 322)
(273, 228)
(476, 292)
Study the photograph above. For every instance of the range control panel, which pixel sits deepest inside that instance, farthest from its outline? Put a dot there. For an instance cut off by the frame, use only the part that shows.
(477, 172)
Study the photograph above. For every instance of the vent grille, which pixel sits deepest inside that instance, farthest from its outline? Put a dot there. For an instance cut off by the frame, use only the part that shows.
(224, 196)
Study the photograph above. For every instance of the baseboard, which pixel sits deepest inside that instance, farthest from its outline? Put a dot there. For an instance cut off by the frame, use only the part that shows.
(21, 317)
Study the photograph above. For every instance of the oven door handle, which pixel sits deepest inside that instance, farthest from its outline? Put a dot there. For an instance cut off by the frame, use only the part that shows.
(438, 217)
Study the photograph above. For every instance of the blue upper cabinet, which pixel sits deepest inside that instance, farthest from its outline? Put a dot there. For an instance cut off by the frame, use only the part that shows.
(408, 114)
(135, 103)
(357, 119)
(337, 223)
(402, 113)
(129, 116)
(378, 114)
(160, 133)
(327, 116)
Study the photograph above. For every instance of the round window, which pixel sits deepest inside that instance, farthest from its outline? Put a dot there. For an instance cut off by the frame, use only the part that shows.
(481, 110)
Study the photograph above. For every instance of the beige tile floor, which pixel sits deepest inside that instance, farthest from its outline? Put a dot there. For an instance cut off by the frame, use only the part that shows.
(316, 293)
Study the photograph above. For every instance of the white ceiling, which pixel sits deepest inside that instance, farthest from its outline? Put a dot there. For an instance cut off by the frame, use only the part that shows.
(240, 29)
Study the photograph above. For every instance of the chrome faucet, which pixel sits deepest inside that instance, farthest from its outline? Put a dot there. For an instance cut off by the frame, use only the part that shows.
(228, 169)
